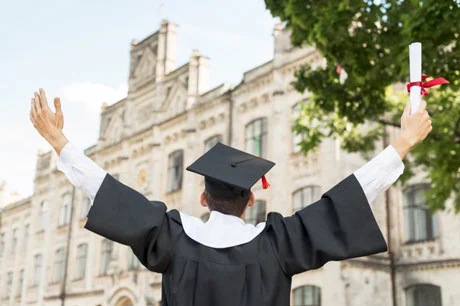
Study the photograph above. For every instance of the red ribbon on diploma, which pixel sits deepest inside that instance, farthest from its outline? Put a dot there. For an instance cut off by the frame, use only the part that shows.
(423, 85)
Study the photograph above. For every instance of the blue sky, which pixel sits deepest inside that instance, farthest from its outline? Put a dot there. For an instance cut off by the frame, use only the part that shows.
(79, 51)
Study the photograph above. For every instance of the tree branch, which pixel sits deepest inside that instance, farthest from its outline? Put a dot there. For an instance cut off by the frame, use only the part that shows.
(386, 122)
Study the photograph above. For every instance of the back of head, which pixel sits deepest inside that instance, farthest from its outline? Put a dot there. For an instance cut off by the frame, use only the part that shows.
(232, 205)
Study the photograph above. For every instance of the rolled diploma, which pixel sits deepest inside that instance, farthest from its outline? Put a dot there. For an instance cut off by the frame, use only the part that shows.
(415, 61)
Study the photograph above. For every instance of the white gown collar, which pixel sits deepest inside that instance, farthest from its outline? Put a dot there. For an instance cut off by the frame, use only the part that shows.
(221, 230)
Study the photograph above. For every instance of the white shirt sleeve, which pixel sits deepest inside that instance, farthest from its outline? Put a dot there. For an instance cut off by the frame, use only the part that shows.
(81, 171)
(380, 173)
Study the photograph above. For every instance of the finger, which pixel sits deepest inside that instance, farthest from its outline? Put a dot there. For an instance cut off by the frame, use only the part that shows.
(37, 104)
(57, 106)
(43, 101)
(422, 106)
(33, 113)
(407, 109)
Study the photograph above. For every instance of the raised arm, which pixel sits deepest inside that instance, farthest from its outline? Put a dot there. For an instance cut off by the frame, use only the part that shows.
(81, 171)
(341, 224)
(383, 170)
(118, 213)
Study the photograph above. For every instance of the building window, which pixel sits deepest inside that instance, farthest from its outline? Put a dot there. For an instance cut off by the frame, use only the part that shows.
(296, 138)
(38, 262)
(419, 223)
(2, 243)
(256, 213)
(256, 137)
(133, 262)
(211, 142)
(175, 167)
(20, 282)
(9, 284)
(106, 256)
(64, 211)
(205, 217)
(307, 296)
(14, 244)
(423, 295)
(82, 251)
(305, 196)
(42, 215)
(85, 206)
(26, 237)
(58, 271)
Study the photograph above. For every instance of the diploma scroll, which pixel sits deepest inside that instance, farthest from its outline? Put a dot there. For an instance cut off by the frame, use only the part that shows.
(415, 61)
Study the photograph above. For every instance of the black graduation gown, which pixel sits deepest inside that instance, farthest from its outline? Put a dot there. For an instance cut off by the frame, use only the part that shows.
(338, 226)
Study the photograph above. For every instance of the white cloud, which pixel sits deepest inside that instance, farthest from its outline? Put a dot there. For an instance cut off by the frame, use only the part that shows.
(92, 95)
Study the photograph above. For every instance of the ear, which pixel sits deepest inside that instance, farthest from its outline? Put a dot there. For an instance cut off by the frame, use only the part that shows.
(203, 201)
(251, 200)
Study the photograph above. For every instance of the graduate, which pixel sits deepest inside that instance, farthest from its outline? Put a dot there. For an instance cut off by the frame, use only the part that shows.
(226, 262)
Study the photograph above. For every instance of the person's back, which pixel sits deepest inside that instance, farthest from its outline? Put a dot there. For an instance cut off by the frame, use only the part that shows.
(228, 262)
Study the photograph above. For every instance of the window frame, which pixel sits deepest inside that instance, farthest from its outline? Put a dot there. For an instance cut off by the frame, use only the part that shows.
(422, 290)
(81, 261)
(315, 191)
(175, 171)
(302, 290)
(65, 207)
(38, 264)
(59, 265)
(106, 256)
(254, 215)
(212, 141)
(412, 213)
(252, 138)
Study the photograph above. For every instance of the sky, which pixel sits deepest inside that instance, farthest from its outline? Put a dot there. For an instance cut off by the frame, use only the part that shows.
(79, 51)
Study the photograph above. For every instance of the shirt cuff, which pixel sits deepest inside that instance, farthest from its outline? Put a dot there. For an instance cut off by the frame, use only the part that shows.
(80, 170)
(380, 173)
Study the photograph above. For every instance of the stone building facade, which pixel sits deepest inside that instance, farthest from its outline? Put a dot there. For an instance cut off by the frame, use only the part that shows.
(168, 119)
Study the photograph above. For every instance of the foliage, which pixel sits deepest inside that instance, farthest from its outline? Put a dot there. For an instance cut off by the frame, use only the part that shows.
(370, 39)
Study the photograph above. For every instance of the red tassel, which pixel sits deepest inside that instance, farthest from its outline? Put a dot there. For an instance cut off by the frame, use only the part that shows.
(265, 184)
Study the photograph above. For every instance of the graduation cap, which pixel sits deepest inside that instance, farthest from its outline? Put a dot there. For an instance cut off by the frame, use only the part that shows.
(229, 172)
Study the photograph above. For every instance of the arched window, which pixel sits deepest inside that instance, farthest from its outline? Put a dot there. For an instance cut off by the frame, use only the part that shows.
(58, 271)
(42, 215)
(419, 223)
(38, 264)
(82, 253)
(106, 256)
(205, 217)
(301, 198)
(256, 213)
(175, 169)
(307, 296)
(65, 207)
(211, 142)
(423, 295)
(256, 137)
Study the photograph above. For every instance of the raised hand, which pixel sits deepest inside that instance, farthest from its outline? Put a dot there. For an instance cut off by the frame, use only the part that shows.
(46, 122)
(56, 118)
(416, 127)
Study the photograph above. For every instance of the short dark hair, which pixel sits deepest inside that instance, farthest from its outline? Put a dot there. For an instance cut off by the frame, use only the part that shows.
(234, 206)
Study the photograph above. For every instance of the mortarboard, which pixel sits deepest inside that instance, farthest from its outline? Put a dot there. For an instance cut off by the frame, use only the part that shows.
(229, 172)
